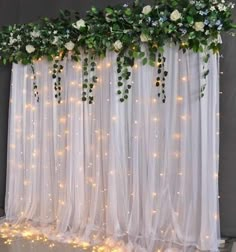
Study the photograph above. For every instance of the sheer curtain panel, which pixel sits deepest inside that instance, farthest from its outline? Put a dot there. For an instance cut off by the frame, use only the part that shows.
(135, 176)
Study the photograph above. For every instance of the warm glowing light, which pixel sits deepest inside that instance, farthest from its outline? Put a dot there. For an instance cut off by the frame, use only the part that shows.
(184, 117)
(60, 153)
(216, 175)
(61, 185)
(184, 78)
(154, 155)
(154, 100)
(62, 120)
(180, 98)
(155, 119)
(177, 136)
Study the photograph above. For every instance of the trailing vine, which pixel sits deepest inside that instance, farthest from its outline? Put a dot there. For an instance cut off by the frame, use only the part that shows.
(35, 87)
(89, 77)
(205, 73)
(124, 63)
(161, 78)
(56, 75)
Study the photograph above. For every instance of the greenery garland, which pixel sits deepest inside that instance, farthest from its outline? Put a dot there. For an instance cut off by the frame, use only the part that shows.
(194, 25)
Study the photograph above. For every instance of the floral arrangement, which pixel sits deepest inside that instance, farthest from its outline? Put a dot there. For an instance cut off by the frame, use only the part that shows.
(194, 25)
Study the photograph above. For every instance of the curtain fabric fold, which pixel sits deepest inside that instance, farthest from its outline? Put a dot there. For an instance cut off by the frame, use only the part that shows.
(142, 174)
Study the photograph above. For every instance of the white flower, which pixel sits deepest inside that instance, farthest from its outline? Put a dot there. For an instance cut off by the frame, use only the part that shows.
(199, 26)
(108, 19)
(144, 37)
(30, 49)
(118, 45)
(35, 34)
(55, 40)
(231, 5)
(69, 46)
(221, 7)
(79, 24)
(212, 8)
(12, 41)
(175, 15)
(146, 9)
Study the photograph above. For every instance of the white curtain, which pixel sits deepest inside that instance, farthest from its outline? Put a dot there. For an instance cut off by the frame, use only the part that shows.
(138, 176)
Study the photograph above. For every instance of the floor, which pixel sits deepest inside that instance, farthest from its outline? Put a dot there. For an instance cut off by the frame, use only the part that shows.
(22, 245)
(25, 245)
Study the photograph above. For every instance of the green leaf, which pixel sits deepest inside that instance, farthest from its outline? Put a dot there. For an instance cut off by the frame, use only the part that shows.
(94, 10)
(190, 19)
(144, 61)
(128, 12)
(109, 10)
(152, 63)
(141, 55)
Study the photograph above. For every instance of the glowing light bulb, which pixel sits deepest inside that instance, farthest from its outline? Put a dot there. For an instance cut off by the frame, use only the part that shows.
(179, 98)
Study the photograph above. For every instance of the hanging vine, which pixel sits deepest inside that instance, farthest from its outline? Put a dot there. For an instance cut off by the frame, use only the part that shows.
(89, 77)
(35, 86)
(56, 75)
(161, 78)
(124, 64)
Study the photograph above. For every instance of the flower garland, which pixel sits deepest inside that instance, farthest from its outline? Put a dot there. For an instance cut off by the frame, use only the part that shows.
(194, 25)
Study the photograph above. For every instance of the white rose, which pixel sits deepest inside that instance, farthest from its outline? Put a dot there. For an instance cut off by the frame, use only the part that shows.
(108, 19)
(29, 48)
(118, 45)
(79, 24)
(147, 9)
(144, 37)
(69, 46)
(175, 15)
(55, 40)
(199, 26)
(35, 34)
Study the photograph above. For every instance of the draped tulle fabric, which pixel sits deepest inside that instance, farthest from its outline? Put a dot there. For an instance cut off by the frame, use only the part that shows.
(139, 175)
